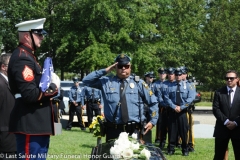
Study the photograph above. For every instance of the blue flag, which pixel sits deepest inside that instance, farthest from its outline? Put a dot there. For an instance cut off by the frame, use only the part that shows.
(46, 74)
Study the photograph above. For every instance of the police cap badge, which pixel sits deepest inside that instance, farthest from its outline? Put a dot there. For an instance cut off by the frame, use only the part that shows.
(122, 59)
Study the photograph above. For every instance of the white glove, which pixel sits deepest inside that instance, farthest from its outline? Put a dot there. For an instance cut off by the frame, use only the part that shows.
(55, 79)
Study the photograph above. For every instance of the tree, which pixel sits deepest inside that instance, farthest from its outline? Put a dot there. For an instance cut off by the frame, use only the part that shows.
(219, 43)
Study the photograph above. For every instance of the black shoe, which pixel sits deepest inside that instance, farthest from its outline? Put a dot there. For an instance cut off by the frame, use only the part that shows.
(161, 146)
(191, 149)
(170, 153)
(179, 146)
(157, 141)
(68, 129)
(185, 154)
(83, 129)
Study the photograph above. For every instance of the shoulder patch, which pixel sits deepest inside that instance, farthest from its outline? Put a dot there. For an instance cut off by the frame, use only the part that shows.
(145, 85)
(27, 74)
(154, 114)
(150, 93)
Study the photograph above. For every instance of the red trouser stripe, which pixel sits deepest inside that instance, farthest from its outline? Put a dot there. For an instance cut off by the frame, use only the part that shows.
(27, 147)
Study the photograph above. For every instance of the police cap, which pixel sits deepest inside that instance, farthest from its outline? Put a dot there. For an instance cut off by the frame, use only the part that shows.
(178, 71)
(75, 79)
(162, 70)
(170, 70)
(149, 74)
(184, 69)
(122, 59)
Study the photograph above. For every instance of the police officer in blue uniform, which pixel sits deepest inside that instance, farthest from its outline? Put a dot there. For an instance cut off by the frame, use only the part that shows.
(93, 102)
(178, 97)
(190, 110)
(123, 97)
(161, 128)
(149, 77)
(76, 100)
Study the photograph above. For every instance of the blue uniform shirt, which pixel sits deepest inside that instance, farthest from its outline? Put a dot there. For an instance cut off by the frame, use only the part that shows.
(158, 91)
(192, 86)
(187, 94)
(136, 93)
(78, 92)
(97, 95)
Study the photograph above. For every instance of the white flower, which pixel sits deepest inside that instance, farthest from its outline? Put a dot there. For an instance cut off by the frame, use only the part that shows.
(94, 119)
(115, 151)
(123, 136)
(146, 153)
(135, 146)
(127, 153)
(135, 136)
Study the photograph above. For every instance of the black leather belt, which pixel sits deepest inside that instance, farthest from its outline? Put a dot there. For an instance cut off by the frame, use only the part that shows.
(93, 101)
(124, 127)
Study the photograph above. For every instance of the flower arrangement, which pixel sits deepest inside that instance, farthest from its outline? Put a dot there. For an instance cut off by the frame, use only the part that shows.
(95, 126)
(129, 148)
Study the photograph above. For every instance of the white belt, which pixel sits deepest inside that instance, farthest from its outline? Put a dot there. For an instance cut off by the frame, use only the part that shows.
(18, 95)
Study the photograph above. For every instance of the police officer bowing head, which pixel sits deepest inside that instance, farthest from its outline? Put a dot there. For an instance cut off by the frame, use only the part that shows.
(75, 81)
(171, 75)
(149, 76)
(162, 73)
(184, 72)
(123, 66)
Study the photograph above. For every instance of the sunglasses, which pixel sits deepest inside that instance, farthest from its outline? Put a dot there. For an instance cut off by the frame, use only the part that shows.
(178, 74)
(231, 78)
(121, 66)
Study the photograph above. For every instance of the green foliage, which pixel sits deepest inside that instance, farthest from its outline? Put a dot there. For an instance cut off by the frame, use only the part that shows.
(85, 35)
(207, 96)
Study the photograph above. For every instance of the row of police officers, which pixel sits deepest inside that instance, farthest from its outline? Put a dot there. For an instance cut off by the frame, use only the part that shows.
(81, 98)
(175, 96)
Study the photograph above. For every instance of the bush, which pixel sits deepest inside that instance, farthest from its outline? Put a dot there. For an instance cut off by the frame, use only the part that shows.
(207, 96)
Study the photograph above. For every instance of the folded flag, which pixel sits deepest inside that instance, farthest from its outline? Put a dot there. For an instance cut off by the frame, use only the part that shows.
(46, 74)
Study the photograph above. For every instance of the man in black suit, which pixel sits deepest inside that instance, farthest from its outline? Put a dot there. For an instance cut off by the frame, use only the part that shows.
(226, 109)
(7, 140)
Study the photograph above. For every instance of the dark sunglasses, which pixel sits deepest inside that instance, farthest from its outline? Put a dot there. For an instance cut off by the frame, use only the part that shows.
(231, 78)
(150, 77)
(178, 74)
(121, 66)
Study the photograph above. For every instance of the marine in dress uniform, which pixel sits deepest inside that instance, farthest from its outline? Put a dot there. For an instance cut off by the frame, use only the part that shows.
(32, 116)
(178, 98)
(76, 100)
(93, 104)
(123, 97)
(161, 130)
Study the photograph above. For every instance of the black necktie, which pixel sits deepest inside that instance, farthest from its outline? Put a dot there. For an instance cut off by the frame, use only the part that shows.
(229, 97)
(93, 96)
(178, 98)
(123, 102)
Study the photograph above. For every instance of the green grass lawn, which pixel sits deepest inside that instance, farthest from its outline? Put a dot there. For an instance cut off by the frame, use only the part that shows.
(208, 104)
(77, 144)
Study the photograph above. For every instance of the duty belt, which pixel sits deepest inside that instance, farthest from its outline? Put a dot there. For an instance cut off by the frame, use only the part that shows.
(125, 127)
